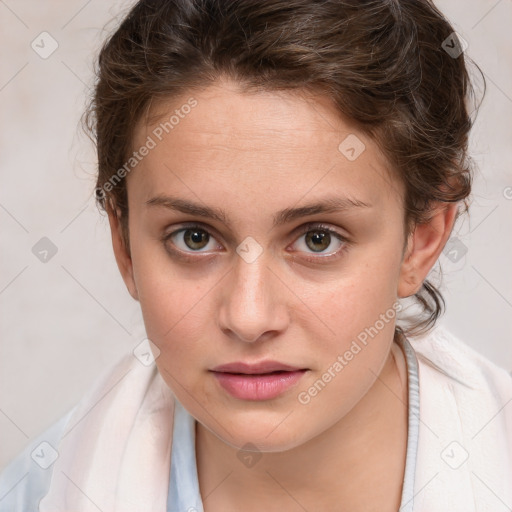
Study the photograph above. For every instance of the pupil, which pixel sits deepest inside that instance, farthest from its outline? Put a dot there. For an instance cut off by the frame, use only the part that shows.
(195, 237)
(318, 237)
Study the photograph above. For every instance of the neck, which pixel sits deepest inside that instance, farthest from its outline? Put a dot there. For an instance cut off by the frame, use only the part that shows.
(356, 464)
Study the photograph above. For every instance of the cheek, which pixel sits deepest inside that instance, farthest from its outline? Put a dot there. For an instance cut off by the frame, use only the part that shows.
(174, 318)
(172, 305)
(357, 317)
(352, 353)
(355, 300)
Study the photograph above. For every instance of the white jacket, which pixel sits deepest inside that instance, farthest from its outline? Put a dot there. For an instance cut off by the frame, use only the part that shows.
(112, 451)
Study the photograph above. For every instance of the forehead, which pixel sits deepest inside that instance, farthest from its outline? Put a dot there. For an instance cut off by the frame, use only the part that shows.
(278, 139)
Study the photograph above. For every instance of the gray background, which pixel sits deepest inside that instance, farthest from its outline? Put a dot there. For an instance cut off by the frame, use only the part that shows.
(64, 321)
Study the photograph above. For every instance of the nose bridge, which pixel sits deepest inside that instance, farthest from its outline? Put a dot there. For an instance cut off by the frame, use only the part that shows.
(251, 285)
(252, 303)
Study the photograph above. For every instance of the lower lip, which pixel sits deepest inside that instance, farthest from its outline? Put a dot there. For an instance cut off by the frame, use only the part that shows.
(258, 386)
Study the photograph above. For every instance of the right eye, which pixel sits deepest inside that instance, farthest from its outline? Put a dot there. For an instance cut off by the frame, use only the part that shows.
(189, 239)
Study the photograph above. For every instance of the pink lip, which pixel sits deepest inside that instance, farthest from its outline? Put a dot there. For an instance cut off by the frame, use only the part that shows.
(261, 381)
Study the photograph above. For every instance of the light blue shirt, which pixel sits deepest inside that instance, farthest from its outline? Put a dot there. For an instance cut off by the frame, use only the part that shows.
(24, 482)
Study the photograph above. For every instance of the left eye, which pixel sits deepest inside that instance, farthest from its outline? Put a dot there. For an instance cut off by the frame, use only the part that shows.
(318, 238)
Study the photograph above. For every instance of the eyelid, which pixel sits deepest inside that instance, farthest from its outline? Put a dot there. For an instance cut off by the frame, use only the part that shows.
(319, 226)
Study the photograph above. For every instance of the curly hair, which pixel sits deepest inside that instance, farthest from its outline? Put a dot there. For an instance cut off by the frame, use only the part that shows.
(384, 63)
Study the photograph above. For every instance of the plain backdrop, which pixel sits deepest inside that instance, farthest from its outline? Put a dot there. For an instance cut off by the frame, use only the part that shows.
(65, 320)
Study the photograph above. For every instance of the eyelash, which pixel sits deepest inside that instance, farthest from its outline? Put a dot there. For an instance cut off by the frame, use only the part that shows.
(301, 231)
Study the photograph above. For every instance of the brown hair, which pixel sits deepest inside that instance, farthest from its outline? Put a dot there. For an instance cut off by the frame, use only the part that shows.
(384, 64)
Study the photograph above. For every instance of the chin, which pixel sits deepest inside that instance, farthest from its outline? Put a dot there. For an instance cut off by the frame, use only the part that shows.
(259, 435)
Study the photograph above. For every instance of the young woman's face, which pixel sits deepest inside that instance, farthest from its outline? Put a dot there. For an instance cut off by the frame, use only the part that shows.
(266, 278)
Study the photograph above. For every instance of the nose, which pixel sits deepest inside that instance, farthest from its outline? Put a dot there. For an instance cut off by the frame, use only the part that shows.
(253, 305)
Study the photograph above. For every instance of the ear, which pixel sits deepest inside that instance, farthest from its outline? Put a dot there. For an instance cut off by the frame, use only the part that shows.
(424, 247)
(123, 259)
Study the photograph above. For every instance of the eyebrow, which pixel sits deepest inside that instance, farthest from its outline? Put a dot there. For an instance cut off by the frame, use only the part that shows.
(330, 204)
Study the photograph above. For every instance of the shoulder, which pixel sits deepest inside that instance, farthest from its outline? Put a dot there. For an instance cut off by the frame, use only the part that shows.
(465, 432)
(27, 478)
(131, 388)
(460, 364)
(465, 396)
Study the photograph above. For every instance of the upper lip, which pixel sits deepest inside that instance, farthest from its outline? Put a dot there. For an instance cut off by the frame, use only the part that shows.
(257, 368)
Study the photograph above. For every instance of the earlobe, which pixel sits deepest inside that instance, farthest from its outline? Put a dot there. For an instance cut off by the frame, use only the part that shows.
(123, 258)
(424, 247)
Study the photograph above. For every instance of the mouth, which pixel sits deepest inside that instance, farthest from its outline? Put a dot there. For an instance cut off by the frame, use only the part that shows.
(263, 381)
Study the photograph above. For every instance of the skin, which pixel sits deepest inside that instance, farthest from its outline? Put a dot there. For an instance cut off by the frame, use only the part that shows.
(253, 155)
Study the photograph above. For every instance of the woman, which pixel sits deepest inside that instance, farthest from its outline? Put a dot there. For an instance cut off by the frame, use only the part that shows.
(279, 178)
